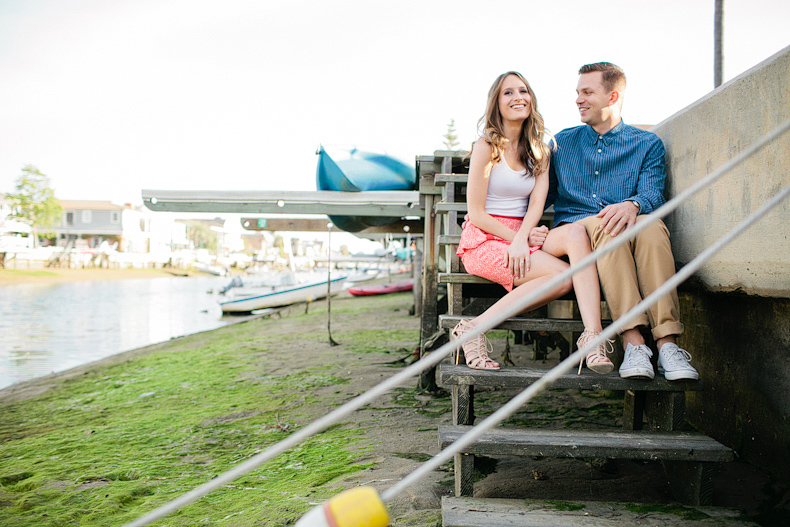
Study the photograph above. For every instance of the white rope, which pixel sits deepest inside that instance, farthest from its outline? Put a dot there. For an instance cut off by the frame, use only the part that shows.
(435, 357)
(555, 373)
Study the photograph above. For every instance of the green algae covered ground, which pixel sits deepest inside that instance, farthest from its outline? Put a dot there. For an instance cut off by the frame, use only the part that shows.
(106, 444)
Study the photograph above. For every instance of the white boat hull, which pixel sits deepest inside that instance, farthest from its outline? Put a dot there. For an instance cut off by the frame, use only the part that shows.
(283, 297)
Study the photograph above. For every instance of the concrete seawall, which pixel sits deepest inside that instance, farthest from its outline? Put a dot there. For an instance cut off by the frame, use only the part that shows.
(737, 308)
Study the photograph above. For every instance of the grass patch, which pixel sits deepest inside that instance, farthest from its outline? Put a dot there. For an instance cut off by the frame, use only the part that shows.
(678, 510)
(378, 340)
(106, 447)
(409, 397)
(10, 274)
(567, 505)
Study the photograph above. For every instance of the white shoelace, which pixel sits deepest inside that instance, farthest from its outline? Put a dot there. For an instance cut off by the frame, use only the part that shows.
(677, 358)
(639, 356)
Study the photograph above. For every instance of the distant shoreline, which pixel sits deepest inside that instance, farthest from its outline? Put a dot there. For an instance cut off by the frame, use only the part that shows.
(21, 276)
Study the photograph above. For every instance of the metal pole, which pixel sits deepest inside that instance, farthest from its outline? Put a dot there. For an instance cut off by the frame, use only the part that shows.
(329, 285)
(718, 27)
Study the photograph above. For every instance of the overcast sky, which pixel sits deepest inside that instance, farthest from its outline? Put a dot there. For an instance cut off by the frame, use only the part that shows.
(107, 97)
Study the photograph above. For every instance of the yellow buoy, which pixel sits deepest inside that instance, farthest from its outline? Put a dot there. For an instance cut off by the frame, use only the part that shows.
(358, 507)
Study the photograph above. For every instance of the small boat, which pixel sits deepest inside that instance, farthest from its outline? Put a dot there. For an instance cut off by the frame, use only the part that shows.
(284, 296)
(356, 171)
(383, 289)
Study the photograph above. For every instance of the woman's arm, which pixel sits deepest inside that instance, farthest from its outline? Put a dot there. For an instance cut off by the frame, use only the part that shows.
(477, 191)
(519, 248)
(537, 200)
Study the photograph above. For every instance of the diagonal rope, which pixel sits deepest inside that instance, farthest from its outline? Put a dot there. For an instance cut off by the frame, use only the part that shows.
(438, 355)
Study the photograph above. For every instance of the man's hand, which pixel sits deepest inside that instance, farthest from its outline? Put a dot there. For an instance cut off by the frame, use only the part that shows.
(537, 236)
(618, 217)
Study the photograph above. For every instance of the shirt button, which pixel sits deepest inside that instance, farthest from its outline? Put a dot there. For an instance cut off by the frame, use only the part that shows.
(595, 196)
(596, 172)
(599, 150)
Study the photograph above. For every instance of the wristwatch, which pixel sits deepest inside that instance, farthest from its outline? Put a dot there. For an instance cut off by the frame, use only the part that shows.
(638, 206)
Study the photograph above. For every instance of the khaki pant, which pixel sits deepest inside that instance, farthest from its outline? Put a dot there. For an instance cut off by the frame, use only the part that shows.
(633, 271)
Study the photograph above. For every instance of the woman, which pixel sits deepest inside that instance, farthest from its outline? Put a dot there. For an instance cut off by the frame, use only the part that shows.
(501, 241)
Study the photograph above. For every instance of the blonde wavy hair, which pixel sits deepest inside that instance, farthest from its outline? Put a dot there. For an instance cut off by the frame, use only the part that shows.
(533, 152)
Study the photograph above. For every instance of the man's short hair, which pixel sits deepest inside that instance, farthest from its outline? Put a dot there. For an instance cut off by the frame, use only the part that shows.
(613, 76)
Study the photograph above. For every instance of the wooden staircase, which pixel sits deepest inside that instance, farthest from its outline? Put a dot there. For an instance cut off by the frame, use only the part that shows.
(653, 415)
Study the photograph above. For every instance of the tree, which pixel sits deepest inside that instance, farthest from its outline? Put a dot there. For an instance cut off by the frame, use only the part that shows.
(202, 236)
(34, 202)
(450, 138)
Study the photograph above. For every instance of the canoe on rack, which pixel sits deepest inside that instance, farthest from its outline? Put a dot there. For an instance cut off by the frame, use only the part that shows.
(382, 289)
(354, 170)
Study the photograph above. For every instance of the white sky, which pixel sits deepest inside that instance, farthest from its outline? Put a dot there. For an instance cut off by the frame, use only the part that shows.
(107, 97)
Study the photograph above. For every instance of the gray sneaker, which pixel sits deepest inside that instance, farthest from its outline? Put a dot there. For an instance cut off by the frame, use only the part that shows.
(636, 362)
(673, 362)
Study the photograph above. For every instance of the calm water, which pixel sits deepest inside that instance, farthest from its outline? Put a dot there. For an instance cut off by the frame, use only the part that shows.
(47, 328)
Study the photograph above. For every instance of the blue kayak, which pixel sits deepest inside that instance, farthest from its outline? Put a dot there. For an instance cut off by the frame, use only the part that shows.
(355, 171)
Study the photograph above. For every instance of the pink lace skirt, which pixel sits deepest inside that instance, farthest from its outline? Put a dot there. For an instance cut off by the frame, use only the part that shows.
(484, 254)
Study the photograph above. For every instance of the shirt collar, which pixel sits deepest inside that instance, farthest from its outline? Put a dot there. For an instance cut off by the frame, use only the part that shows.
(608, 137)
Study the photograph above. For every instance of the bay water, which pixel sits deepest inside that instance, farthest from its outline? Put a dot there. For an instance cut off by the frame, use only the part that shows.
(51, 327)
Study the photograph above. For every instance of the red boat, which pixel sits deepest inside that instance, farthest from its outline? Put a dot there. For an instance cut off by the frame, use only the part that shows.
(383, 289)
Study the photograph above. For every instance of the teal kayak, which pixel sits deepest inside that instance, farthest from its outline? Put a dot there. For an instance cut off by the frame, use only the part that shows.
(355, 170)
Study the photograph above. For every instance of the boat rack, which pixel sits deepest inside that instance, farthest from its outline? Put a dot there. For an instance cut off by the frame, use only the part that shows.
(392, 203)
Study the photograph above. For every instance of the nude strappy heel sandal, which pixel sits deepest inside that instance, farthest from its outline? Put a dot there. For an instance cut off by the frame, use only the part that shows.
(597, 360)
(476, 350)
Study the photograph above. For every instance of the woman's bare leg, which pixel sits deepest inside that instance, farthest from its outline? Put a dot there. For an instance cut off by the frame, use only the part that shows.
(572, 240)
(543, 267)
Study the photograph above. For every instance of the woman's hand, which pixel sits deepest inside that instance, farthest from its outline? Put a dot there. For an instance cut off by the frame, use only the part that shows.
(518, 258)
(537, 236)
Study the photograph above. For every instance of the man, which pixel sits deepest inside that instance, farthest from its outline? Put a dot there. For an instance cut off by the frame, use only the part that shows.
(607, 175)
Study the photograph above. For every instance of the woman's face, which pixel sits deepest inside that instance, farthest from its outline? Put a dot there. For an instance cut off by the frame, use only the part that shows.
(515, 104)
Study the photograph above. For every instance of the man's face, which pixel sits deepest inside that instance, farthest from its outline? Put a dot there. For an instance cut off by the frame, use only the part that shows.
(592, 98)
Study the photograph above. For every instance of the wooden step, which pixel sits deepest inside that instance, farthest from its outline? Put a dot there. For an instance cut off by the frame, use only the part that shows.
(492, 512)
(441, 179)
(462, 278)
(526, 324)
(519, 377)
(449, 239)
(667, 446)
(443, 207)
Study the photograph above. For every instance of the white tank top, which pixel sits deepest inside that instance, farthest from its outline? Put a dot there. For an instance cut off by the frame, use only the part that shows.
(508, 191)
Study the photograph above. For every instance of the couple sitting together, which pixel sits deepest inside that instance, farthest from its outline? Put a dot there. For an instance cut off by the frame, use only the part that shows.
(601, 177)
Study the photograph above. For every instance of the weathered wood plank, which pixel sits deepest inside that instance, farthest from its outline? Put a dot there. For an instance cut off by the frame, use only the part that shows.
(441, 179)
(690, 482)
(443, 207)
(464, 467)
(449, 239)
(493, 512)
(518, 377)
(527, 324)
(462, 278)
(476, 512)
(680, 446)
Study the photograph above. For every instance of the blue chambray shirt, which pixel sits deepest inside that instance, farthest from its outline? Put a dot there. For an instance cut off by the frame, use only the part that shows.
(590, 171)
